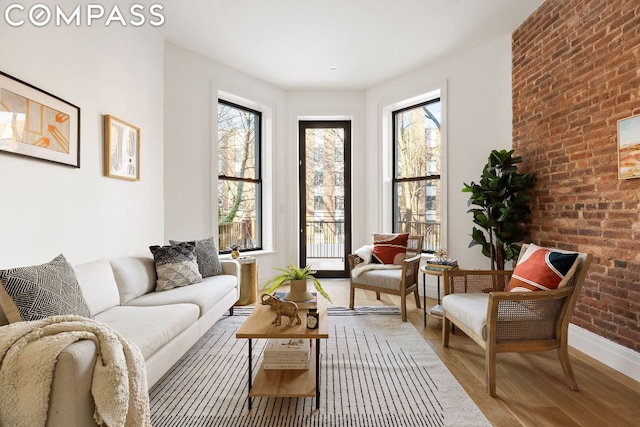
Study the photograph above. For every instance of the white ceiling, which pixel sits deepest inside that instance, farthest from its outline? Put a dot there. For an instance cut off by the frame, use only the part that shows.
(293, 43)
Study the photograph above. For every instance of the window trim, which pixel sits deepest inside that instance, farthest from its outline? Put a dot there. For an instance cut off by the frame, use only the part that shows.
(258, 180)
(393, 111)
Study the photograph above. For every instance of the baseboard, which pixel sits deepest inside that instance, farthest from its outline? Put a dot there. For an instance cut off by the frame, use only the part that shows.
(620, 358)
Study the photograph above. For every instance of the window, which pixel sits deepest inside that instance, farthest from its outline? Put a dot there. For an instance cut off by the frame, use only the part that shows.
(239, 180)
(318, 179)
(318, 150)
(338, 176)
(318, 203)
(416, 171)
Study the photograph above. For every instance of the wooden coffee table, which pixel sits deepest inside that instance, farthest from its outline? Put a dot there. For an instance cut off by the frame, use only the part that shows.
(284, 383)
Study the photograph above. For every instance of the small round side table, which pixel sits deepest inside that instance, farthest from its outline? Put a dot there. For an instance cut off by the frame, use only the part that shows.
(435, 311)
(248, 280)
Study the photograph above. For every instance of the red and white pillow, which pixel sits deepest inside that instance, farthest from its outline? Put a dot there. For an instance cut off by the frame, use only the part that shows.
(542, 269)
(389, 248)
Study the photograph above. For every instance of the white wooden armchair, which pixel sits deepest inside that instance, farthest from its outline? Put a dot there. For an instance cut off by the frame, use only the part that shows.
(401, 281)
(476, 302)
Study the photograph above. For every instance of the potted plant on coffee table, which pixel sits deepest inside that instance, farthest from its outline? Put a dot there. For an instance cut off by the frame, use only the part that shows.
(298, 278)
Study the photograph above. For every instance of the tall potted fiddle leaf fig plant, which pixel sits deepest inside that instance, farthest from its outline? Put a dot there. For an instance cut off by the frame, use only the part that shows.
(500, 206)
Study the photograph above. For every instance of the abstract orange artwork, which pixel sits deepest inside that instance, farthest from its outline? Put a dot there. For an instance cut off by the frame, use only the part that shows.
(37, 124)
(629, 147)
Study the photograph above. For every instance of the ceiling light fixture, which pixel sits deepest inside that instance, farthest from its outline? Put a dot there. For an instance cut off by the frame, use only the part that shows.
(333, 67)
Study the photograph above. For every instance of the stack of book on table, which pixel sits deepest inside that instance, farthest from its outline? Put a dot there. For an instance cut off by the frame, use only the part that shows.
(441, 264)
(437, 309)
(287, 353)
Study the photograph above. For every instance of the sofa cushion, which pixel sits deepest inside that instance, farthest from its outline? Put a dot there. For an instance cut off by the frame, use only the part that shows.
(40, 291)
(387, 279)
(176, 265)
(389, 248)
(542, 269)
(150, 327)
(134, 276)
(205, 294)
(206, 256)
(98, 285)
(470, 309)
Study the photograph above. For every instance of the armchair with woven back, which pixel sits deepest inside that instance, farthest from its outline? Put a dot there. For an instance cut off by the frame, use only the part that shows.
(524, 310)
(389, 266)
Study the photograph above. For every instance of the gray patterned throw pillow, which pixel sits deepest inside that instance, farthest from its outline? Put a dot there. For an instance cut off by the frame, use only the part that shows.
(176, 265)
(40, 291)
(207, 257)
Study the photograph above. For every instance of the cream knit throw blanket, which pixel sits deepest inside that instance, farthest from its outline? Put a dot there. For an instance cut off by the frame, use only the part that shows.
(361, 268)
(28, 354)
(365, 252)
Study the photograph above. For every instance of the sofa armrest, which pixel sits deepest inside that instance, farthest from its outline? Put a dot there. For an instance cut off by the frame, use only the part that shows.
(70, 400)
(231, 267)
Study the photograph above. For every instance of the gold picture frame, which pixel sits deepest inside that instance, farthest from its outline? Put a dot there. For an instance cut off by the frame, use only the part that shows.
(629, 147)
(121, 149)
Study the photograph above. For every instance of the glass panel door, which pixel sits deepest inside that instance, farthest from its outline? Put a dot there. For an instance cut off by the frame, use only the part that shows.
(325, 196)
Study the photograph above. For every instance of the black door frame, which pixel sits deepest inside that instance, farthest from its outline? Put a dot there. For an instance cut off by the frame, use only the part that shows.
(316, 124)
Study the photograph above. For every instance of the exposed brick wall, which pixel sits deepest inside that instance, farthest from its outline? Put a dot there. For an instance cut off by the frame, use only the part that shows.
(576, 72)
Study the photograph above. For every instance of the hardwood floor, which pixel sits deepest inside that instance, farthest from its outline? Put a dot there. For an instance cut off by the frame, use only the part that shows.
(531, 387)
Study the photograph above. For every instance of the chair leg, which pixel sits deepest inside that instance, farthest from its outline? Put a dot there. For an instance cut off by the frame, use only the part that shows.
(490, 367)
(417, 295)
(563, 354)
(378, 296)
(445, 331)
(403, 307)
(351, 296)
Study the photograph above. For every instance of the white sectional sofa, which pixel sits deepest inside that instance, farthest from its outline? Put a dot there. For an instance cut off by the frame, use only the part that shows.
(164, 325)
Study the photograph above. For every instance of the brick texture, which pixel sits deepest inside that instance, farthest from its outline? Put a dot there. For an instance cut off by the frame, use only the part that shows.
(576, 72)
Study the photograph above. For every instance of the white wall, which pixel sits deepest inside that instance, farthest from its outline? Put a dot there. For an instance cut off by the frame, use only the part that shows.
(192, 85)
(48, 208)
(478, 96)
(329, 105)
(478, 103)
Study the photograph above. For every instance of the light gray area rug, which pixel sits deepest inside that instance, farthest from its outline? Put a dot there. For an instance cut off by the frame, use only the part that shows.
(376, 371)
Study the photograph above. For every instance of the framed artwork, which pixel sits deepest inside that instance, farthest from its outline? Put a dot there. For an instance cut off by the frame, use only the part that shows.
(629, 147)
(37, 124)
(121, 149)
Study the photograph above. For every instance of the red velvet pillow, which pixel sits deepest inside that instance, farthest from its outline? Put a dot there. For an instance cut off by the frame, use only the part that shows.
(389, 248)
(542, 269)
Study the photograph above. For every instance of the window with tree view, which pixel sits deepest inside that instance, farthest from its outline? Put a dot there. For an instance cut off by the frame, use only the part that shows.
(239, 181)
(416, 172)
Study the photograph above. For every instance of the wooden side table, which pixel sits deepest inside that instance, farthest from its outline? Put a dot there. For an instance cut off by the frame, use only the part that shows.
(436, 311)
(248, 280)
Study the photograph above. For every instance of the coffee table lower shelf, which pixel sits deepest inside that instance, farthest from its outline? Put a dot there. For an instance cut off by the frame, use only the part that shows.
(286, 383)
(281, 382)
